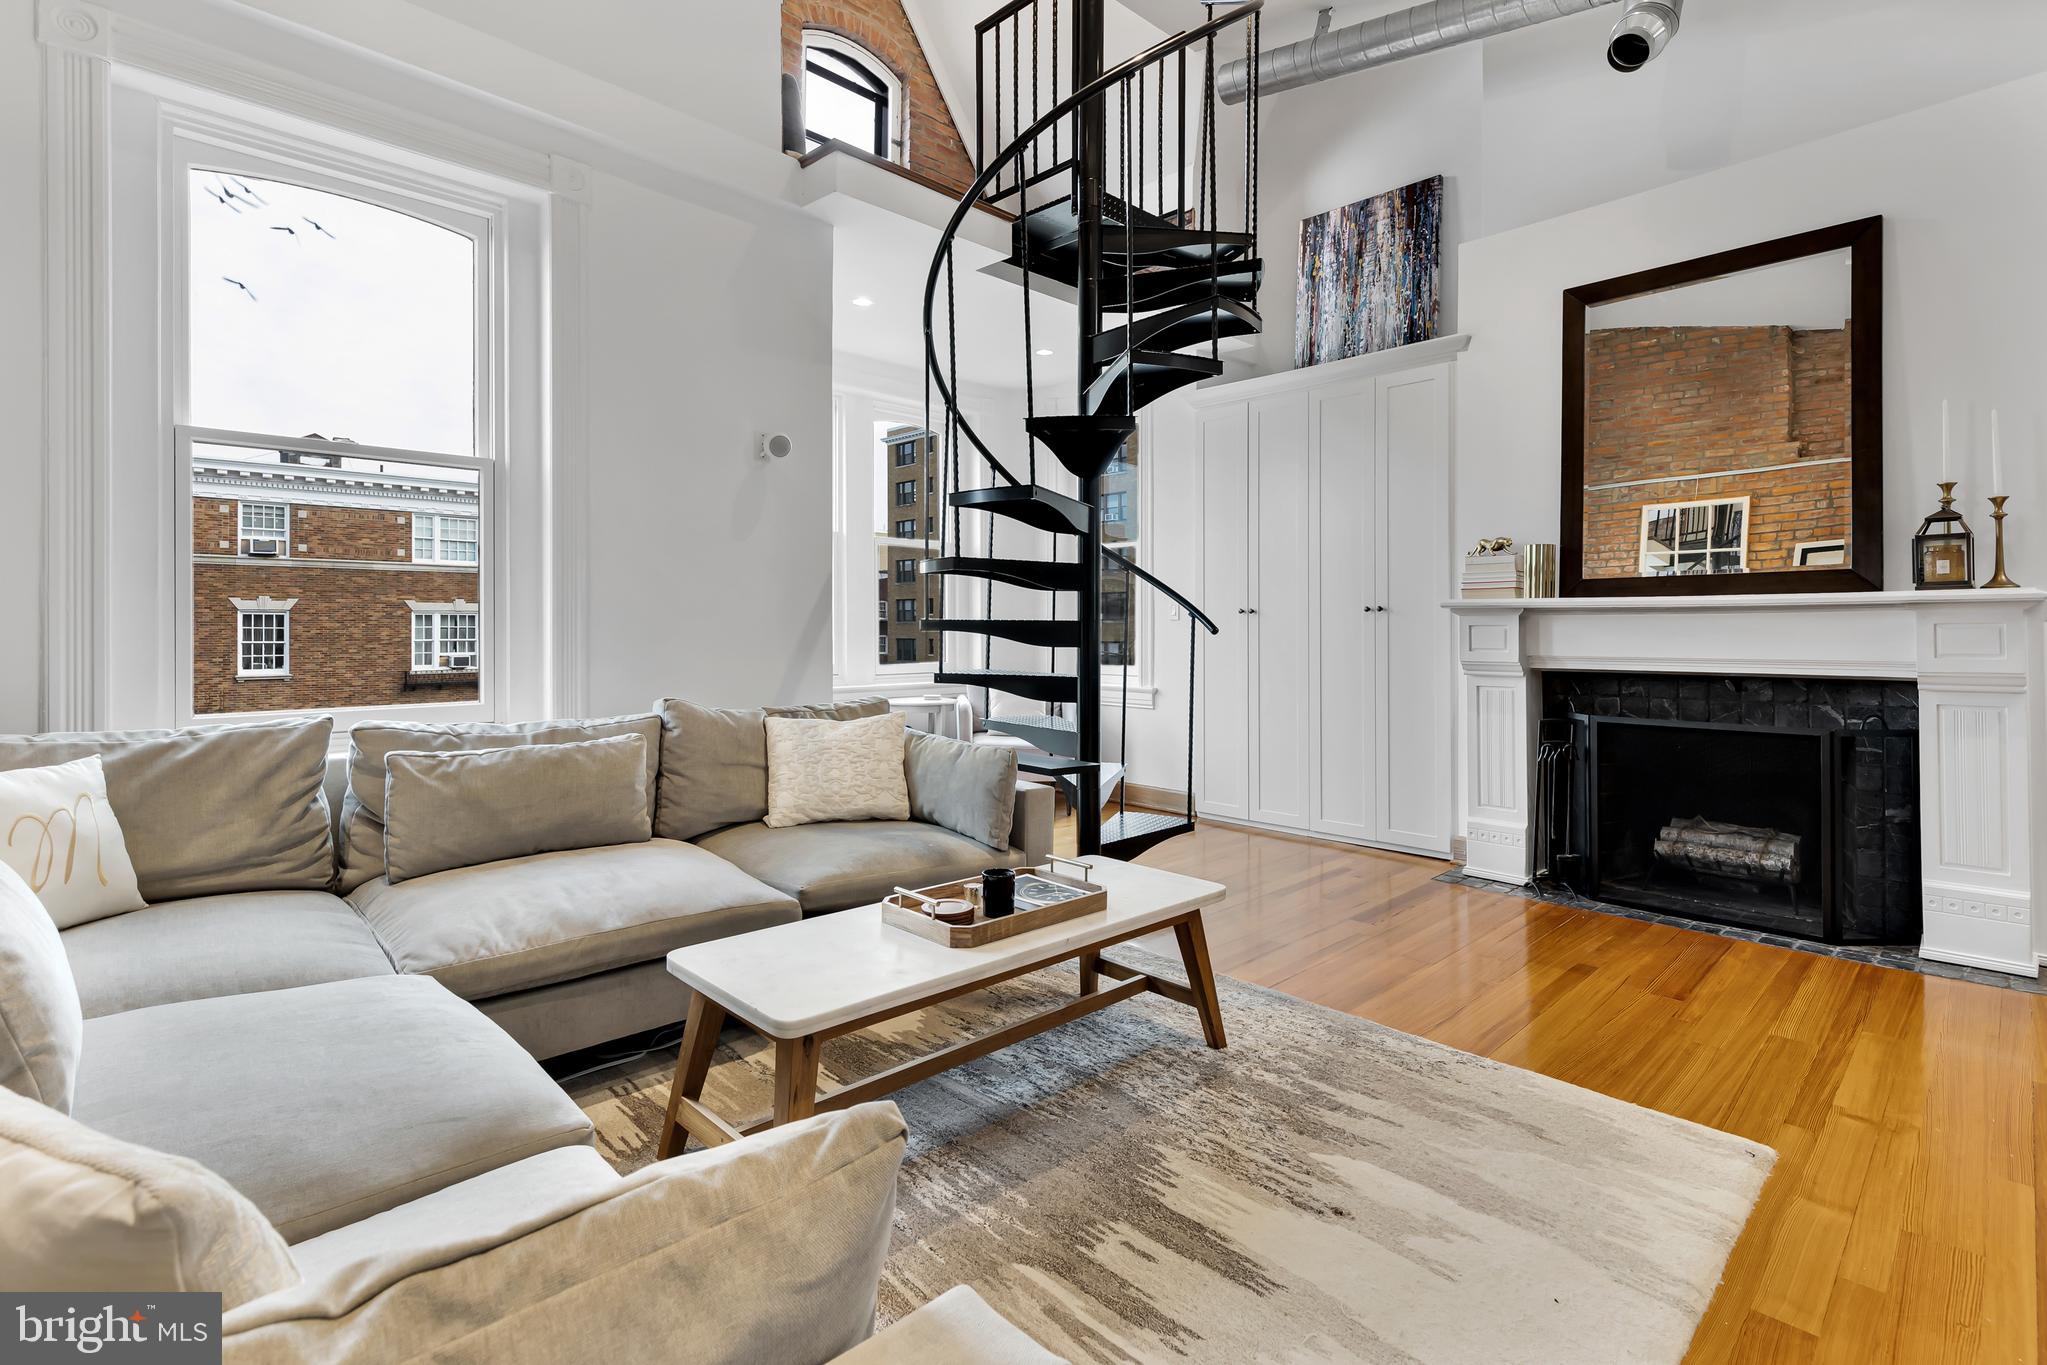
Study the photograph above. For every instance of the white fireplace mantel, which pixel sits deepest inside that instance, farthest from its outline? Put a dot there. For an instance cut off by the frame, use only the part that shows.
(1975, 656)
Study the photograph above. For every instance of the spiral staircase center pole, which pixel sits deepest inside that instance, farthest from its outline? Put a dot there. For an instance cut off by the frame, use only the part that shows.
(1090, 143)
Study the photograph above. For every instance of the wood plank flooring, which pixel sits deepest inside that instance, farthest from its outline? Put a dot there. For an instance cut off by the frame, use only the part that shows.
(1904, 1221)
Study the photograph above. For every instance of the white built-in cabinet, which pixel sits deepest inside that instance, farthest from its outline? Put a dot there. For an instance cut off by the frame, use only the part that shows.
(1325, 558)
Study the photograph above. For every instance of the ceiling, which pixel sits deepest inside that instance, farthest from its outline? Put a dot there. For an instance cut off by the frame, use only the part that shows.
(1293, 17)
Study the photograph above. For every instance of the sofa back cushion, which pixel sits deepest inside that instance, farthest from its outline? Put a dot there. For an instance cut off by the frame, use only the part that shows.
(714, 764)
(969, 789)
(211, 810)
(58, 831)
(462, 809)
(362, 811)
(88, 1213)
(764, 1250)
(370, 743)
(41, 1022)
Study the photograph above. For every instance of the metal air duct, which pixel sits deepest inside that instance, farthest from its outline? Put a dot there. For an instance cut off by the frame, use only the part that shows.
(1647, 25)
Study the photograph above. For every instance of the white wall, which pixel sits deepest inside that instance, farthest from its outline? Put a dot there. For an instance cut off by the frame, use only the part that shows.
(21, 371)
(1963, 196)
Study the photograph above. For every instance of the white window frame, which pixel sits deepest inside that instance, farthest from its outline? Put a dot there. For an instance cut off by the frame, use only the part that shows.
(436, 536)
(262, 606)
(1649, 511)
(197, 139)
(896, 113)
(244, 533)
(1139, 614)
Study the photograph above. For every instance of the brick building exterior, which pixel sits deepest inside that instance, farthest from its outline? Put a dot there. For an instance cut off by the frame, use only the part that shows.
(905, 597)
(933, 144)
(1678, 415)
(366, 623)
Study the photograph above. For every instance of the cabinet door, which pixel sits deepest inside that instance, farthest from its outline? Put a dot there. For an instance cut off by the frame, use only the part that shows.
(1279, 602)
(1343, 666)
(1416, 638)
(1224, 781)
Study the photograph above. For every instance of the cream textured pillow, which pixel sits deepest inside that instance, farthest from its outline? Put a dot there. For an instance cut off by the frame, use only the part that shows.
(42, 1026)
(88, 1213)
(59, 833)
(836, 770)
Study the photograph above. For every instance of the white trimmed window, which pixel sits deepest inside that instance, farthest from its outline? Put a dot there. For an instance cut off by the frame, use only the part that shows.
(264, 529)
(444, 640)
(850, 96)
(438, 539)
(264, 644)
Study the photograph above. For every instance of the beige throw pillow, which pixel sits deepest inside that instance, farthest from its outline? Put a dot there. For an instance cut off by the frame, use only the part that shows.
(88, 1213)
(714, 764)
(822, 770)
(59, 833)
(469, 807)
(42, 1025)
(969, 789)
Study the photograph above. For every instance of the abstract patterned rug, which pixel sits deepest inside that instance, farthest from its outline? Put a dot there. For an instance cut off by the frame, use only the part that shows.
(1324, 1190)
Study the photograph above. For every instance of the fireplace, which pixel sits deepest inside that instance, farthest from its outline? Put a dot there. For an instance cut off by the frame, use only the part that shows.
(1785, 806)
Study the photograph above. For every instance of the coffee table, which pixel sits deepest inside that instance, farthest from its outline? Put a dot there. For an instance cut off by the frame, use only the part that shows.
(803, 983)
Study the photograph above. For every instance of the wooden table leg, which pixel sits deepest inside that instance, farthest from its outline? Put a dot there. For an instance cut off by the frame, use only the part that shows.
(1201, 978)
(692, 1065)
(1090, 973)
(795, 1078)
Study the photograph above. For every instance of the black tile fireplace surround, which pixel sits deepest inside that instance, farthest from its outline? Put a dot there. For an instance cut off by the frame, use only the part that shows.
(1786, 805)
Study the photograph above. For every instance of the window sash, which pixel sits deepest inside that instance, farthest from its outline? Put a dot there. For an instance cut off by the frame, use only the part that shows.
(257, 518)
(262, 644)
(441, 539)
(438, 635)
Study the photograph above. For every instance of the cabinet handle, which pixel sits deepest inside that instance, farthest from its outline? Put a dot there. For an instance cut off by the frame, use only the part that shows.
(1250, 611)
(1243, 611)
(1378, 608)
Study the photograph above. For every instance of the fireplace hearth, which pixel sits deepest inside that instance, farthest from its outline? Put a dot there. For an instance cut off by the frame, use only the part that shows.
(1782, 805)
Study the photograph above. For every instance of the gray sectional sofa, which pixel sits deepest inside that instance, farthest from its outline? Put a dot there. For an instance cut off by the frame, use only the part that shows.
(231, 834)
(327, 1106)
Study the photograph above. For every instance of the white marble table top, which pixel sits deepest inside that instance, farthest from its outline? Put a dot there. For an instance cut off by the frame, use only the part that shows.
(808, 977)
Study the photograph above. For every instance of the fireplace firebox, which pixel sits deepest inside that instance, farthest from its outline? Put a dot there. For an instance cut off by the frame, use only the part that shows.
(1778, 805)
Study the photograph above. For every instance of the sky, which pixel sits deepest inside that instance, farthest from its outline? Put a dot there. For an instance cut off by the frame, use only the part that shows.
(312, 312)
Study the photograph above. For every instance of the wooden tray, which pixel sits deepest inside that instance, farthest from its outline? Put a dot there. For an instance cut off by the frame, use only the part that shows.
(896, 911)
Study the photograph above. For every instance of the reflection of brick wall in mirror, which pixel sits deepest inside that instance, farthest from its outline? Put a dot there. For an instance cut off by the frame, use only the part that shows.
(1706, 414)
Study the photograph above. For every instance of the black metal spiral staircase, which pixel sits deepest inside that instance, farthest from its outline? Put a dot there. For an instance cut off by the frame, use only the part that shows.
(1130, 220)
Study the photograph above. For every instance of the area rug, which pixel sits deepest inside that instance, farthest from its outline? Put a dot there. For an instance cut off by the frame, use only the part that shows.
(1324, 1190)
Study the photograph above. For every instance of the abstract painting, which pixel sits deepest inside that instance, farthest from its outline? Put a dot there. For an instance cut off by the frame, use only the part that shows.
(1368, 274)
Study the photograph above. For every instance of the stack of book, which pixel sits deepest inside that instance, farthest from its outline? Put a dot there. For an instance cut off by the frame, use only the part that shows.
(1492, 575)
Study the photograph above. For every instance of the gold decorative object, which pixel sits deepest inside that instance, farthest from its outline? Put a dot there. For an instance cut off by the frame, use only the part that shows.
(1999, 579)
(1944, 550)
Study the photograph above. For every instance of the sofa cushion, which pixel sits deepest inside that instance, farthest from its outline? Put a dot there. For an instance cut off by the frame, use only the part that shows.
(831, 867)
(821, 770)
(967, 788)
(956, 1326)
(209, 811)
(88, 1213)
(59, 833)
(41, 1024)
(370, 742)
(325, 1104)
(447, 810)
(714, 764)
(359, 846)
(220, 945)
(526, 922)
(765, 1250)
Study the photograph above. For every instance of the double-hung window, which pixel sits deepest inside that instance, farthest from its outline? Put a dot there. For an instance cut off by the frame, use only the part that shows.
(1120, 502)
(441, 539)
(335, 353)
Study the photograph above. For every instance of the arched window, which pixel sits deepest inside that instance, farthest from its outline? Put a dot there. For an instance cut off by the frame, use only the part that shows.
(849, 96)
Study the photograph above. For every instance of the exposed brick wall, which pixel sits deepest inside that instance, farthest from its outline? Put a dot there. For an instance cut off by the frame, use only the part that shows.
(378, 535)
(880, 26)
(1662, 402)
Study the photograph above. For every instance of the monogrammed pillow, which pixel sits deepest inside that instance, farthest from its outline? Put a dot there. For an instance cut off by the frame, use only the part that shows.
(59, 833)
(822, 770)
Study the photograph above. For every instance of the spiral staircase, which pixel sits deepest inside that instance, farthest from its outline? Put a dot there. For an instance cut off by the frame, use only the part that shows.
(1117, 184)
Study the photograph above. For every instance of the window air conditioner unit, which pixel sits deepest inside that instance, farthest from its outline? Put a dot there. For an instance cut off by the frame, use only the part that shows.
(266, 547)
(462, 661)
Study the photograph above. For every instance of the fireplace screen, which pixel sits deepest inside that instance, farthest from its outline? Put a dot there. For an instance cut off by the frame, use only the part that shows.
(1718, 822)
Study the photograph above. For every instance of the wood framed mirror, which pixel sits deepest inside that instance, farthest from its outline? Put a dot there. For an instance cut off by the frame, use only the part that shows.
(1723, 422)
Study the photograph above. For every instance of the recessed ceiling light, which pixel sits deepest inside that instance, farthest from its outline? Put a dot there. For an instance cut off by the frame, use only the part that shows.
(1044, 350)
(863, 302)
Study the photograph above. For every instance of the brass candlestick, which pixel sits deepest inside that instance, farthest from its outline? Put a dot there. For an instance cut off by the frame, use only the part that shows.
(1999, 579)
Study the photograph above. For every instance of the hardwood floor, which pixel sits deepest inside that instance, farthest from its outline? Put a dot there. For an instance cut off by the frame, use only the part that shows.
(1904, 1219)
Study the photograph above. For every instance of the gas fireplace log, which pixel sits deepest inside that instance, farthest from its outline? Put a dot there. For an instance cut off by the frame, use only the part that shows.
(1755, 855)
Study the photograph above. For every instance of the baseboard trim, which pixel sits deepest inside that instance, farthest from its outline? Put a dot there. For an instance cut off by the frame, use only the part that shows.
(1331, 840)
(1958, 958)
